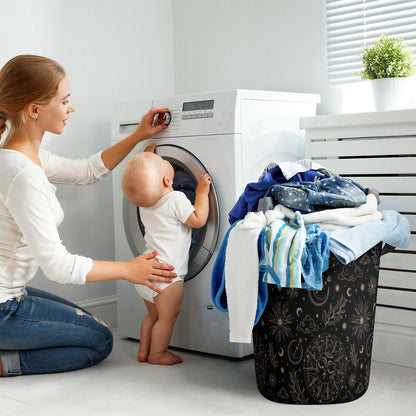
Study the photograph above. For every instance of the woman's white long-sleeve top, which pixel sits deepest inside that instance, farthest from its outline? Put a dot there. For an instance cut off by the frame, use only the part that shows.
(30, 214)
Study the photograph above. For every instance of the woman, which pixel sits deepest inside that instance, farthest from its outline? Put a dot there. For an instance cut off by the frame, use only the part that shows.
(39, 332)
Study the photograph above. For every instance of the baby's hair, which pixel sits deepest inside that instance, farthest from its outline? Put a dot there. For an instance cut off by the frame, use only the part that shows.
(141, 180)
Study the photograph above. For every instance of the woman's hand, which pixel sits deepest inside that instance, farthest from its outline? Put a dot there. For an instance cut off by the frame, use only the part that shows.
(146, 127)
(145, 272)
(112, 156)
(139, 270)
(151, 148)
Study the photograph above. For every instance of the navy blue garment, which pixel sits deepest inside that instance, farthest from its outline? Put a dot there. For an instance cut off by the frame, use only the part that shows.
(306, 196)
(249, 199)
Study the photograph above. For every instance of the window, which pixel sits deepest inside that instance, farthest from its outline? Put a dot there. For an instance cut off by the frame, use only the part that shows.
(354, 24)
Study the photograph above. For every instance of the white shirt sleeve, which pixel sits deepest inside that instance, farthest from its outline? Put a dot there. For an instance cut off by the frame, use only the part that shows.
(181, 206)
(33, 205)
(73, 171)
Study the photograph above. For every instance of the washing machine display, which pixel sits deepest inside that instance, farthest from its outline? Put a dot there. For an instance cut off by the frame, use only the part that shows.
(233, 136)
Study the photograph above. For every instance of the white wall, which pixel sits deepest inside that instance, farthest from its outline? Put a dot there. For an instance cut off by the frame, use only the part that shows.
(262, 44)
(112, 52)
(119, 50)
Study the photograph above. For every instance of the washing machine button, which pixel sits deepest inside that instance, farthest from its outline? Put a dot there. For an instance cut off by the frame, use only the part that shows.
(162, 118)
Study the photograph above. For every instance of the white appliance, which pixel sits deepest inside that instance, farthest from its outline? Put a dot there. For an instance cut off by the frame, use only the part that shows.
(232, 135)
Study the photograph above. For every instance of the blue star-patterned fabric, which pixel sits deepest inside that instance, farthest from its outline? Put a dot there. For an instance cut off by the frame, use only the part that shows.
(333, 192)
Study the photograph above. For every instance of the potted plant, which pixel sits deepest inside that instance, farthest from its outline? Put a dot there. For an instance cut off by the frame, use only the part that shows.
(387, 63)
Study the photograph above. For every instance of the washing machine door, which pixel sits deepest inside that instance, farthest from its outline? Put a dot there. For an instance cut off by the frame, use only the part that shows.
(187, 170)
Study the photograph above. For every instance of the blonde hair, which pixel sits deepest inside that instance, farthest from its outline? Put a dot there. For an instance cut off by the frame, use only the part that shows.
(26, 79)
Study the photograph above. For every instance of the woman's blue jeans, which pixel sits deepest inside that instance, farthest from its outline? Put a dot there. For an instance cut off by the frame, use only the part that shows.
(43, 333)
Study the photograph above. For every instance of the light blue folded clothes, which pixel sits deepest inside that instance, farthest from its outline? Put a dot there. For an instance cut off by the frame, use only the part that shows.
(348, 245)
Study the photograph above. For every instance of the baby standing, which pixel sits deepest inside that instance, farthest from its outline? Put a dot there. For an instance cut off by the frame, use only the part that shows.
(168, 217)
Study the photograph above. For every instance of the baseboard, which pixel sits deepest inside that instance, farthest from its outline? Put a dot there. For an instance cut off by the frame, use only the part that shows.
(105, 308)
(394, 344)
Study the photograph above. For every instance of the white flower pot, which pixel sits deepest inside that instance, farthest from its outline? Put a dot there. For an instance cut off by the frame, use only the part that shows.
(392, 93)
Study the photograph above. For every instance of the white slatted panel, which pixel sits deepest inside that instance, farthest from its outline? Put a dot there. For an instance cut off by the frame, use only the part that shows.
(395, 279)
(406, 317)
(399, 298)
(394, 184)
(354, 24)
(399, 261)
(387, 164)
(365, 146)
(353, 166)
(378, 150)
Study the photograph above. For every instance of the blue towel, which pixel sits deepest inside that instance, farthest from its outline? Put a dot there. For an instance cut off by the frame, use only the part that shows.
(315, 257)
(348, 245)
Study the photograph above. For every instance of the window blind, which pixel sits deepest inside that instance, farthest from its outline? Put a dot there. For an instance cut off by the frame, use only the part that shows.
(355, 24)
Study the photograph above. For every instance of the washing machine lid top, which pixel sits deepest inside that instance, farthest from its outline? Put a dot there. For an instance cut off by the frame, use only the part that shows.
(187, 170)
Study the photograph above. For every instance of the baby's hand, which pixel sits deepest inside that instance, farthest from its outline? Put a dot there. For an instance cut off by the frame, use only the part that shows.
(204, 183)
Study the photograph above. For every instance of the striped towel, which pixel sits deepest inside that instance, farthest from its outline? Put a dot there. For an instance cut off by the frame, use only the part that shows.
(282, 243)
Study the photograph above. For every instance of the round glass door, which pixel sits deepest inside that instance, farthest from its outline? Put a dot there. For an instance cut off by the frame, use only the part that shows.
(187, 169)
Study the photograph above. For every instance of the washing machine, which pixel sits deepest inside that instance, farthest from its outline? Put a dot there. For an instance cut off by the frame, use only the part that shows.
(232, 135)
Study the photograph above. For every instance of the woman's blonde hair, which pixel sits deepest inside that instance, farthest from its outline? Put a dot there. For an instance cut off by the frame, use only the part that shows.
(26, 79)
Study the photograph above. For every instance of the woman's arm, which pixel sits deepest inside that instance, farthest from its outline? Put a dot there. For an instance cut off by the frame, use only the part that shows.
(137, 270)
(34, 221)
(116, 153)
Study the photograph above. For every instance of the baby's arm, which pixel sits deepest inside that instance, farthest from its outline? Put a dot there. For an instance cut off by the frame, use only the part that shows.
(199, 217)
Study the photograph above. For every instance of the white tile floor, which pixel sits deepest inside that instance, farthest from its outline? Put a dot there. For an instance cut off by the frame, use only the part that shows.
(201, 385)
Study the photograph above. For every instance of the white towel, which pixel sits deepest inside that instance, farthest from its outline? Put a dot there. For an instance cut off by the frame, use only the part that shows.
(290, 169)
(241, 271)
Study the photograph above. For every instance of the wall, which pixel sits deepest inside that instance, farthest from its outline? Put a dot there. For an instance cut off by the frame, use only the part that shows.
(111, 52)
(117, 51)
(262, 44)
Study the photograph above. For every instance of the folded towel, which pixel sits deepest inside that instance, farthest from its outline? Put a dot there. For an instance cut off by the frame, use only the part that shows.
(348, 245)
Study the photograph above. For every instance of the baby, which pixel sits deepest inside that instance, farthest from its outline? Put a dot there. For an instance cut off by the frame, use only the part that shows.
(168, 217)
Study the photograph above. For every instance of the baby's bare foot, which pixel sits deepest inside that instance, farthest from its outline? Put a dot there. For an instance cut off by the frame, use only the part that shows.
(142, 356)
(165, 358)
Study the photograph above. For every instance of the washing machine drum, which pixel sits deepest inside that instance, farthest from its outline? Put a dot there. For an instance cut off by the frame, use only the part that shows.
(187, 169)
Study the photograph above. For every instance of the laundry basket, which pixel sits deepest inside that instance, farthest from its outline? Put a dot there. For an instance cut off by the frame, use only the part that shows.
(314, 347)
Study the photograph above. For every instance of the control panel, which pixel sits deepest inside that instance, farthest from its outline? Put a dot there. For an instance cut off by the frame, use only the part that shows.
(210, 113)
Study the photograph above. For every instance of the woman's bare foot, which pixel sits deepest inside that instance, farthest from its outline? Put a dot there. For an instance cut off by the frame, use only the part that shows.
(164, 358)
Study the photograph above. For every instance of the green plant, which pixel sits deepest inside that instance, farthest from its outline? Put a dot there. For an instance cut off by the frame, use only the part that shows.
(387, 58)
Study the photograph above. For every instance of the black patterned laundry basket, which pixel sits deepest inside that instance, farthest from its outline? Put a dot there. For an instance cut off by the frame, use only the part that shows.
(314, 347)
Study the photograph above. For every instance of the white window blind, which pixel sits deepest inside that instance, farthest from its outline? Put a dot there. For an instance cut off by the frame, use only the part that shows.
(355, 24)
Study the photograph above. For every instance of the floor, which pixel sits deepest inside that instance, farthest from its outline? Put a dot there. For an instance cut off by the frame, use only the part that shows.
(201, 385)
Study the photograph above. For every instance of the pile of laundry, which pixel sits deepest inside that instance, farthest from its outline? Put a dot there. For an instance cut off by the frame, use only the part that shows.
(283, 229)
